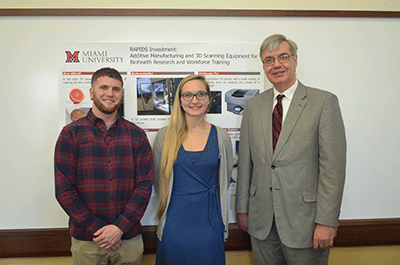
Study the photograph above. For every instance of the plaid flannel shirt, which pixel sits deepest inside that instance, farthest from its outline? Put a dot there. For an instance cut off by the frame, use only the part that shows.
(103, 176)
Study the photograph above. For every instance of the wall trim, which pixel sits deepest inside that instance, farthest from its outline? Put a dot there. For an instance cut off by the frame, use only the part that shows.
(193, 12)
(56, 241)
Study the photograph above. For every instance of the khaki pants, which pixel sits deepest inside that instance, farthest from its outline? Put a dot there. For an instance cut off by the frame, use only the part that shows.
(88, 253)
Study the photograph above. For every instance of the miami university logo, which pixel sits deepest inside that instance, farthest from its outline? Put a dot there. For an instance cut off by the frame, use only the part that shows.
(72, 58)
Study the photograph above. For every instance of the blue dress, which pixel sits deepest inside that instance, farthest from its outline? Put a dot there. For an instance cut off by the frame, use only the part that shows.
(194, 231)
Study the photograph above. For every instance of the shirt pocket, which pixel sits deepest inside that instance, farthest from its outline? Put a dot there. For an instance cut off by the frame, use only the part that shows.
(87, 153)
(84, 139)
(310, 196)
(252, 190)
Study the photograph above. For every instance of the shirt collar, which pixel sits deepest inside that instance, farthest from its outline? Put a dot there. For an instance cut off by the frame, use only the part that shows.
(288, 92)
(93, 119)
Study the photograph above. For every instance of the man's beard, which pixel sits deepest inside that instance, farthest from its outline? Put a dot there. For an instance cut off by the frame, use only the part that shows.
(103, 108)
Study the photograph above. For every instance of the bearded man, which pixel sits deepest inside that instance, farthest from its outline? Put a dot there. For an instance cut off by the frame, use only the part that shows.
(104, 177)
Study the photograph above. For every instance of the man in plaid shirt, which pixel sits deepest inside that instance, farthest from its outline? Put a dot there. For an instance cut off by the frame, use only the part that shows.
(103, 178)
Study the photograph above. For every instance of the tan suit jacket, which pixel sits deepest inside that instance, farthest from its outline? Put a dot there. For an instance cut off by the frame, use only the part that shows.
(302, 182)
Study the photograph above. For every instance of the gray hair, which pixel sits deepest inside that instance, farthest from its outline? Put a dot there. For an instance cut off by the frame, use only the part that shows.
(272, 42)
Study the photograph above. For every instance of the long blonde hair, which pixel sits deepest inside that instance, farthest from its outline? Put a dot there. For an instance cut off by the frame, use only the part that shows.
(176, 133)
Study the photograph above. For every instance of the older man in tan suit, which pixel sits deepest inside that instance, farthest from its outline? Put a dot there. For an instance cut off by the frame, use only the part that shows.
(289, 195)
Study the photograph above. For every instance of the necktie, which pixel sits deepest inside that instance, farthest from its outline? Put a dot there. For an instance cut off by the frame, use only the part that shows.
(277, 121)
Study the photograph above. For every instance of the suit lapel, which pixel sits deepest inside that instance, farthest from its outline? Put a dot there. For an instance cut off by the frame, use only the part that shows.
(297, 105)
(266, 120)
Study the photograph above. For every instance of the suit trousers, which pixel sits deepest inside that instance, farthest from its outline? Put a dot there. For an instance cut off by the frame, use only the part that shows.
(87, 252)
(272, 251)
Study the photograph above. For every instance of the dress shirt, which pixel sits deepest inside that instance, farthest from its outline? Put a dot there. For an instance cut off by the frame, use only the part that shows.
(103, 176)
(286, 100)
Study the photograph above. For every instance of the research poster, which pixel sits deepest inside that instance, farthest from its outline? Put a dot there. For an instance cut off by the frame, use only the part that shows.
(151, 74)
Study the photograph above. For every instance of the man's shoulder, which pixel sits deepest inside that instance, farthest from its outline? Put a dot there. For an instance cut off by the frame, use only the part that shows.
(77, 125)
(260, 97)
(131, 126)
(75, 131)
(313, 91)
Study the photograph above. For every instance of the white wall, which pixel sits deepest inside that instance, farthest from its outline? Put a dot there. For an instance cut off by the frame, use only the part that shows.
(355, 58)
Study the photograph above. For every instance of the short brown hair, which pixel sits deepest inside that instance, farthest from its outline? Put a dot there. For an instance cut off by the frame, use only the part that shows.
(107, 71)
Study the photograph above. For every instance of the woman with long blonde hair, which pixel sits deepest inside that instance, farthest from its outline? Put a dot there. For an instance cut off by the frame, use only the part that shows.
(193, 164)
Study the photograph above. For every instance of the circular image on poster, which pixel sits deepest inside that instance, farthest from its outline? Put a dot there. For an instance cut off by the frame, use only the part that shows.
(76, 95)
(76, 114)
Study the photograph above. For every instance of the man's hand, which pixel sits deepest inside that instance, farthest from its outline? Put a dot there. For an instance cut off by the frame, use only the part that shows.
(243, 221)
(108, 237)
(323, 237)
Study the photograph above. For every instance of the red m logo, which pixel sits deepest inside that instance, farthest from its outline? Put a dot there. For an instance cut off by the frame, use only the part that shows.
(72, 57)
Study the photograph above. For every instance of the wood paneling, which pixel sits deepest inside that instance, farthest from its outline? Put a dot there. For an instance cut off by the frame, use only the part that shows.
(56, 242)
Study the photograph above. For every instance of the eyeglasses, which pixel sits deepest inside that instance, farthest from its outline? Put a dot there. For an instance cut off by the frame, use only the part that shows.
(201, 95)
(283, 58)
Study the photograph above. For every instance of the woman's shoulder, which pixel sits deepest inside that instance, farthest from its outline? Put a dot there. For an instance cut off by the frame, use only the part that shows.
(161, 135)
(222, 133)
(162, 130)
